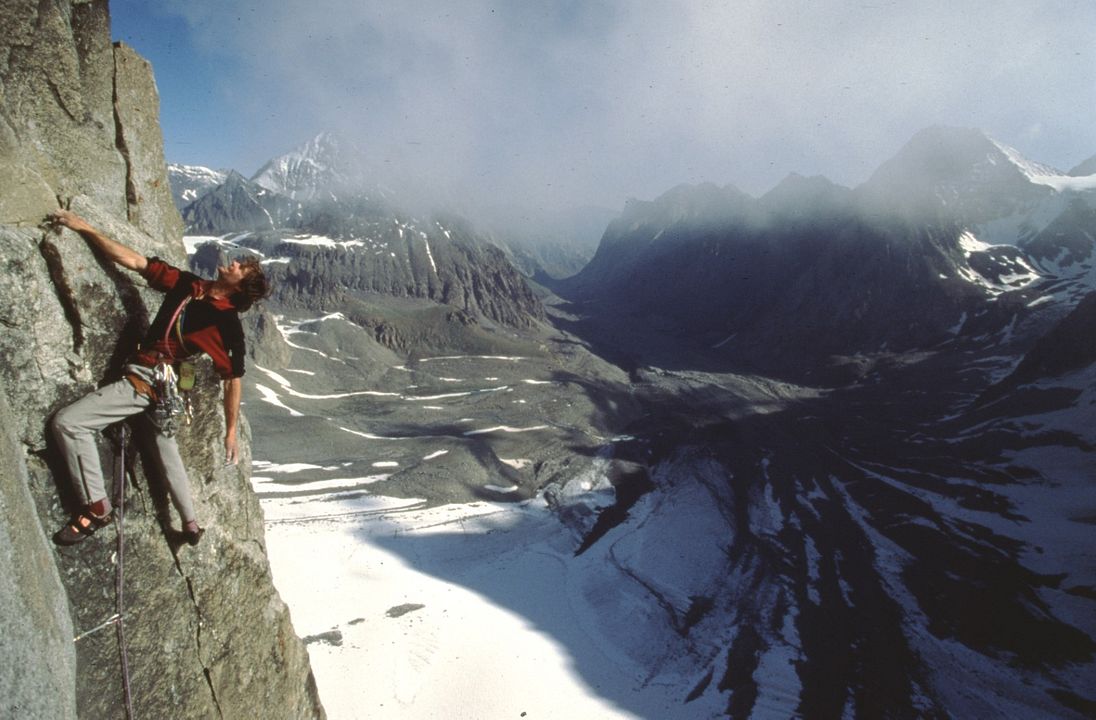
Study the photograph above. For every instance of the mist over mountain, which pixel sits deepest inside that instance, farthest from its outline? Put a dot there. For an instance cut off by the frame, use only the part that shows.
(955, 174)
(548, 245)
(954, 236)
(830, 445)
(1085, 169)
(825, 453)
(325, 183)
(324, 167)
(330, 240)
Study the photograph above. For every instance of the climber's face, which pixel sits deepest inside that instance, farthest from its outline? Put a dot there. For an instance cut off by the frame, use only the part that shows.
(232, 274)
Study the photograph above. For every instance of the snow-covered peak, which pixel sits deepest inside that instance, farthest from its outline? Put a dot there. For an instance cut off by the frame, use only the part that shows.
(197, 173)
(190, 182)
(1030, 168)
(1044, 174)
(325, 164)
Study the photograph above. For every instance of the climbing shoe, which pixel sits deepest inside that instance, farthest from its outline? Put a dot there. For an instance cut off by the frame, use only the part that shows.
(192, 534)
(82, 526)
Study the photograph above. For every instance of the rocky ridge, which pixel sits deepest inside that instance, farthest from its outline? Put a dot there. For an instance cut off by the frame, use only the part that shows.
(329, 244)
(190, 182)
(207, 635)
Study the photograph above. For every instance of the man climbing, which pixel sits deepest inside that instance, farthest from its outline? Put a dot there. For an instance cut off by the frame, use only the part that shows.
(196, 316)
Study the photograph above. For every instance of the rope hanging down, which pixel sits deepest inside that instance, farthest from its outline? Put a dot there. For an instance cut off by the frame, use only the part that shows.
(119, 501)
(120, 512)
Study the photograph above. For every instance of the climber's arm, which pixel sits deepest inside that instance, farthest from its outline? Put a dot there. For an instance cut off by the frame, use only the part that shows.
(113, 249)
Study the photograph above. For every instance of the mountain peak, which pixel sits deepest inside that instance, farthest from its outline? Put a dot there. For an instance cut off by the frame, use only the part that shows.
(937, 155)
(706, 202)
(329, 163)
(1083, 177)
(1088, 167)
(958, 172)
(800, 194)
(190, 182)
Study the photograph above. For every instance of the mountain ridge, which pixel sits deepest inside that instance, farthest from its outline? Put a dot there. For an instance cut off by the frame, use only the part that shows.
(812, 270)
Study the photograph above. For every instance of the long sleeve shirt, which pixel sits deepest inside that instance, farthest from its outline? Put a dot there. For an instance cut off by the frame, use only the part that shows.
(205, 324)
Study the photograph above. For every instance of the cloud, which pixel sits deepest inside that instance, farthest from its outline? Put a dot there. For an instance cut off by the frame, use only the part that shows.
(582, 101)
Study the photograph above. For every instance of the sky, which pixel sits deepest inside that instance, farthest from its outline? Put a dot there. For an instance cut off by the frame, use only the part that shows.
(571, 102)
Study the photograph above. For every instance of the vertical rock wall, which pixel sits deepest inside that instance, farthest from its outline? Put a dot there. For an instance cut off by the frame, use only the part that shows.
(207, 635)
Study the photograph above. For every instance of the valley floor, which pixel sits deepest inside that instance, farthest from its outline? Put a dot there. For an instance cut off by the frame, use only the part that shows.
(459, 611)
(790, 553)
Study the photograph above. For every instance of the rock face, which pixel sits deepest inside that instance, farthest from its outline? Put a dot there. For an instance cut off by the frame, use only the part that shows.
(206, 634)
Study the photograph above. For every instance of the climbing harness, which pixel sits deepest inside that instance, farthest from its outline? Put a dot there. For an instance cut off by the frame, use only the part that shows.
(167, 403)
(171, 397)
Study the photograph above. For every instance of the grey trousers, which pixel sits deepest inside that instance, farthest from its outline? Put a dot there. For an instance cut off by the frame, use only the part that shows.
(75, 427)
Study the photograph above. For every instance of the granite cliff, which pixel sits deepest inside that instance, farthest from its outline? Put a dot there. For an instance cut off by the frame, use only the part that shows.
(207, 635)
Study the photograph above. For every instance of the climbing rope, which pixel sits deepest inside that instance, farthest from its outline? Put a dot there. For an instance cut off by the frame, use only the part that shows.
(120, 512)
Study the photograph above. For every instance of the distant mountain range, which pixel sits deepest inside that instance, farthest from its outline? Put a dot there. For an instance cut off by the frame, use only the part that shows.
(331, 239)
(957, 236)
(309, 188)
(834, 445)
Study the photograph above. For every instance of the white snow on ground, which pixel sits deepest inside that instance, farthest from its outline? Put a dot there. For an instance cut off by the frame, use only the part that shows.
(508, 358)
(1023, 274)
(429, 254)
(270, 467)
(778, 682)
(322, 241)
(371, 436)
(264, 485)
(505, 429)
(280, 379)
(970, 244)
(484, 611)
(293, 328)
(272, 397)
(444, 396)
(1057, 539)
(465, 611)
(230, 241)
(500, 489)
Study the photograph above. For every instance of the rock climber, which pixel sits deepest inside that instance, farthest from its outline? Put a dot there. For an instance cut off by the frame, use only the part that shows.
(196, 316)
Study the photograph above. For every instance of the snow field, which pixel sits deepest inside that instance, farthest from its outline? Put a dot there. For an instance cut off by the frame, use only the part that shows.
(465, 611)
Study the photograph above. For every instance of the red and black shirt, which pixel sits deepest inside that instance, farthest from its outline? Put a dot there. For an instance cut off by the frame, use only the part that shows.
(207, 324)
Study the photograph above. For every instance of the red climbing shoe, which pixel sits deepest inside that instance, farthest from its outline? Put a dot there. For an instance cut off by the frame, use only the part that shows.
(82, 526)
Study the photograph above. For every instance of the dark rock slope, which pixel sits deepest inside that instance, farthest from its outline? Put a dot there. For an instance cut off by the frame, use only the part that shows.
(207, 635)
(956, 236)
(329, 238)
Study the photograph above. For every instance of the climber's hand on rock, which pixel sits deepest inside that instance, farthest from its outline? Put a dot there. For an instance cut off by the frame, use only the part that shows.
(69, 219)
